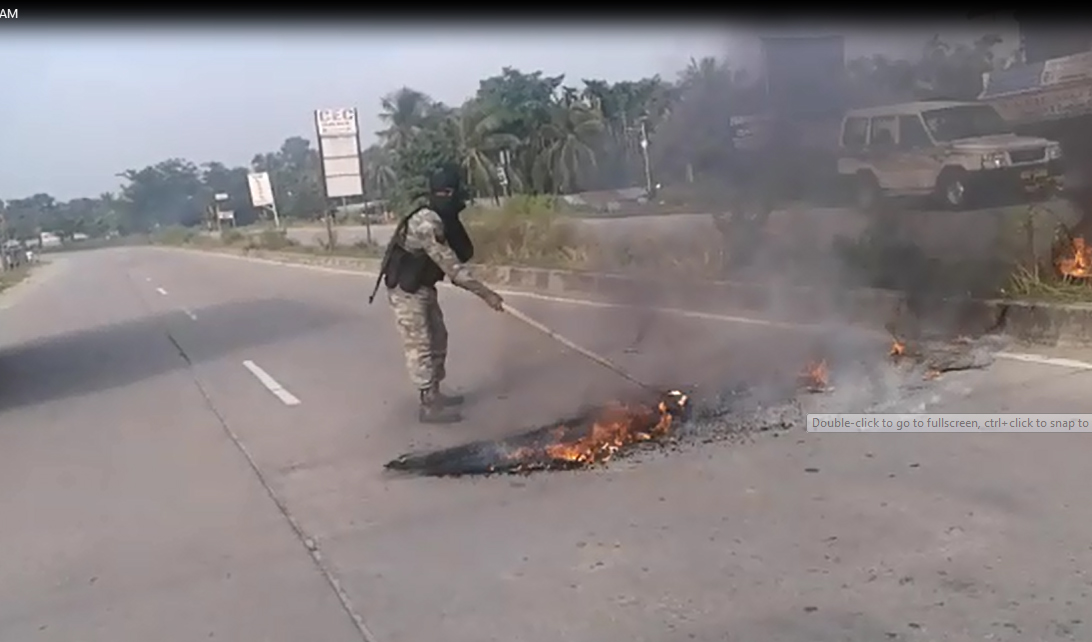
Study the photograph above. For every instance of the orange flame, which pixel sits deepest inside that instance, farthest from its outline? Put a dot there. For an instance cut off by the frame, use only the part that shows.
(1074, 261)
(898, 348)
(816, 376)
(619, 425)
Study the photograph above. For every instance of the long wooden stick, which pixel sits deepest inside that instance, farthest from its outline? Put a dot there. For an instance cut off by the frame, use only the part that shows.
(603, 361)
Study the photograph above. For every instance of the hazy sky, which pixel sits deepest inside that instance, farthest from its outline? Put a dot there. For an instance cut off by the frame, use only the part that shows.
(79, 108)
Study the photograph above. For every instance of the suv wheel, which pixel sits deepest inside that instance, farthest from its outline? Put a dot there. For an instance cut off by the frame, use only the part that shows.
(952, 188)
(868, 195)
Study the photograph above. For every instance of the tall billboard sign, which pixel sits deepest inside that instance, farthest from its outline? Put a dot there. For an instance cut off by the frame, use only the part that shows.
(805, 74)
(339, 148)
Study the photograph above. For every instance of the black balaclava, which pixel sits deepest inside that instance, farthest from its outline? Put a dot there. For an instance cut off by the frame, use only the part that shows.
(448, 206)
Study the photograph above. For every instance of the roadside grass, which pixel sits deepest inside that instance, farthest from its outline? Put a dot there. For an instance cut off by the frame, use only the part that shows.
(887, 253)
(97, 243)
(1037, 285)
(9, 278)
(1042, 235)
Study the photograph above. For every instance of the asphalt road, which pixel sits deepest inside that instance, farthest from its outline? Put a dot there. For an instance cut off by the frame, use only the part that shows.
(128, 379)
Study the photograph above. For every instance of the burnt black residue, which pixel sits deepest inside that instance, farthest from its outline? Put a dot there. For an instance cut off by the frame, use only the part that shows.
(523, 453)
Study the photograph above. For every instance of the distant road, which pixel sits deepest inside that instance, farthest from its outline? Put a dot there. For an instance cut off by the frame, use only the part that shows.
(610, 227)
(940, 232)
(818, 225)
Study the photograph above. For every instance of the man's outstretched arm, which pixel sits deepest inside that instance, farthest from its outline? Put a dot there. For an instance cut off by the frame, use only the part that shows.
(427, 230)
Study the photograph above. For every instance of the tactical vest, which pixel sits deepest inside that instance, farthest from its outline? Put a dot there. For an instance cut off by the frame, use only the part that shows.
(411, 270)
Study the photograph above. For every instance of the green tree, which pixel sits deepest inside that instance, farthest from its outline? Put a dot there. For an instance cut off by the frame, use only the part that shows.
(566, 153)
(28, 217)
(220, 179)
(405, 113)
(479, 143)
(522, 104)
(168, 193)
(296, 178)
(380, 179)
(696, 132)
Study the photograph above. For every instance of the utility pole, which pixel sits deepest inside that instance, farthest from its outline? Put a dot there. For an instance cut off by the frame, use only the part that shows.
(331, 240)
(276, 216)
(651, 190)
(506, 181)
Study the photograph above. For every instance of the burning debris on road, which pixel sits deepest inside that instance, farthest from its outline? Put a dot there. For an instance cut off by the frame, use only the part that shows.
(940, 356)
(1073, 257)
(774, 405)
(591, 438)
(816, 377)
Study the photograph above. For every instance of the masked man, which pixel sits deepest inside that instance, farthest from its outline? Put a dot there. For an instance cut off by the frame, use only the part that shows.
(427, 245)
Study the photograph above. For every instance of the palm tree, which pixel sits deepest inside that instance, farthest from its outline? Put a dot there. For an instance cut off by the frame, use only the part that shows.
(479, 142)
(404, 113)
(565, 147)
(379, 172)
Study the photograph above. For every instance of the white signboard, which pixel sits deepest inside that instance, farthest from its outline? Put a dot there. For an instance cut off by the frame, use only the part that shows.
(1046, 104)
(226, 215)
(336, 122)
(340, 147)
(1058, 71)
(261, 191)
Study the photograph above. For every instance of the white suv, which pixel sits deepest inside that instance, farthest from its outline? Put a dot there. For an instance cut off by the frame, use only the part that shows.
(951, 150)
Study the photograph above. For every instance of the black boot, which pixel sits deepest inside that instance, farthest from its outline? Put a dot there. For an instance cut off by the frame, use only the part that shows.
(433, 410)
(449, 400)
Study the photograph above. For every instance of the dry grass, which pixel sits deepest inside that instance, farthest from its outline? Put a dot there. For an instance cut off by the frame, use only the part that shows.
(529, 230)
(1042, 284)
(9, 278)
(1034, 275)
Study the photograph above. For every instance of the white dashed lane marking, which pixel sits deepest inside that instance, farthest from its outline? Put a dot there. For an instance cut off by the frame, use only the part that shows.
(161, 291)
(271, 384)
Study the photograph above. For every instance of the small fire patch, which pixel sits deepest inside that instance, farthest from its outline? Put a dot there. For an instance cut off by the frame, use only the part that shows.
(592, 438)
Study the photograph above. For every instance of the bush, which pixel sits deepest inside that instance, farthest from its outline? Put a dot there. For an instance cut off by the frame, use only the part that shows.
(173, 235)
(528, 230)
(270, 240)
(231, 236)
(367, 249)
(536, 231)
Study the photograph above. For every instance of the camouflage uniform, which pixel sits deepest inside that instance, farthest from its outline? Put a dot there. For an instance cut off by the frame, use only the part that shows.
(418, 315)
(429, 244)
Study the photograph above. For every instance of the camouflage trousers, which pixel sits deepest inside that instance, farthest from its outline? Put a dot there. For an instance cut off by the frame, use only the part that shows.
(424, 336)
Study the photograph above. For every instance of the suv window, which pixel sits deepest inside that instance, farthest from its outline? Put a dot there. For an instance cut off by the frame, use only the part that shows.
(884, 131)
(912, 134)
(855, 133)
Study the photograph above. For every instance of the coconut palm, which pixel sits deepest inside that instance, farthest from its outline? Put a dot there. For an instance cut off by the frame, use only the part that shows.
(478, 140)
(404, 112)
(565, 148)
(379, 174)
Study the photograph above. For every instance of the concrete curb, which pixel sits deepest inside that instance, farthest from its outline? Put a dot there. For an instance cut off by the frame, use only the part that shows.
(1027, 322)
